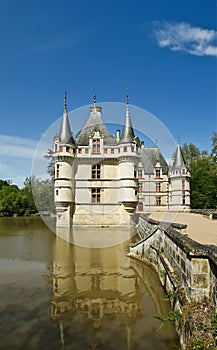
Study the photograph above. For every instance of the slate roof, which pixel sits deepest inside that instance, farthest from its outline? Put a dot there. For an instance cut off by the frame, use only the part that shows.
(65, 133)
(94, 121)
(178, 159)
(150, 157)
(127, 133)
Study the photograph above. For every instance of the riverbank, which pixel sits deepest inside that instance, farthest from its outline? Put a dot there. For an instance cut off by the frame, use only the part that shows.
(199, 228)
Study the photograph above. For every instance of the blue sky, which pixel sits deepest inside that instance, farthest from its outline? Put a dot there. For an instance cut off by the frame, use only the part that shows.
(163, 51)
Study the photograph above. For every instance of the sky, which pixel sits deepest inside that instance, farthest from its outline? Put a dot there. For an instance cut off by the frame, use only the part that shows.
(163, 51)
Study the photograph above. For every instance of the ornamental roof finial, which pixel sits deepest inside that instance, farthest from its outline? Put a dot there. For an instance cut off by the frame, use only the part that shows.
(127, 97)
(65, 102)
(94, 98)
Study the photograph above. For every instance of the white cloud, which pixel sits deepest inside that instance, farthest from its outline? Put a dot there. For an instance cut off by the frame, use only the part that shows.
(16, 156)
(183, 37)
(12, 146)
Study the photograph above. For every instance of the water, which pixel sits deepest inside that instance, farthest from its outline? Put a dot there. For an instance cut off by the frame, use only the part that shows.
(55, 295)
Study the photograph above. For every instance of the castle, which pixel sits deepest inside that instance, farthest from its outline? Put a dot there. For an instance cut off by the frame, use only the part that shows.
(102, 180)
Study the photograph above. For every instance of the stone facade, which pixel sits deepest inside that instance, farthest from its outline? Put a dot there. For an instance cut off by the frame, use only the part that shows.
(101, 179)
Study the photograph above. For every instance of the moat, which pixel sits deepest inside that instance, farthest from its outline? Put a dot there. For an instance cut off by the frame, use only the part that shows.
(55, 295)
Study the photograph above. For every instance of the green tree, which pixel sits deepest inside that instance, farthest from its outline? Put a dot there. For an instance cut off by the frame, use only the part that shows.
(214, 146)
(203, 168)
(3, 183)
(204, 183)
(191, 153)
(28, 200)
(43, 194)
(11, 201)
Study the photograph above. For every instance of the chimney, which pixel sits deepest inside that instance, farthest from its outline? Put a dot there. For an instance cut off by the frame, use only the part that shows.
(118, 135)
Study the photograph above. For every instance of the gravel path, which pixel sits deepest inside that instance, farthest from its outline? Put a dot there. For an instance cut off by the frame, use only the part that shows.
(199, 228)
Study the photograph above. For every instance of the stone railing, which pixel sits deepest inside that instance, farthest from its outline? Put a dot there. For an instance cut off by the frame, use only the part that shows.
(183, 265)
(211, 213)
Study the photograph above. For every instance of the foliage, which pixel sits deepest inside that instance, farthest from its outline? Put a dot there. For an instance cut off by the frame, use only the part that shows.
(214, 147)
(172, 316)
(171, 295)
(199, 325)
(11, 200)
(203, 168)
(191, 153)
(43, 194)
(16, 201)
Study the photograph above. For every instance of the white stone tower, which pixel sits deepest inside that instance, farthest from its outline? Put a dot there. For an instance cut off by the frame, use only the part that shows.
(179, 182)
(64, 149)
(129, 155)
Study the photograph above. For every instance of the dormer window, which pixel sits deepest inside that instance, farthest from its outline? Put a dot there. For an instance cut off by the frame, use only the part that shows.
(157, 173)
(96, 146)
(139, 175)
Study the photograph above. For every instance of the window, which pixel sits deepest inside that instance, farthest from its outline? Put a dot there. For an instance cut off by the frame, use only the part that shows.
(139, 175)
(105, 150)
(95, 195)
(125, 149)
(183, 171)
(61, 149)
(57, 192)
(158, 187)
(183, 198)
(79, 150)
(86, 151)
(96, 146)
(132, 149)
(140, 187)
(96, 169)
(55, 150)
(157, 173)
(140, 206)
(158, 201)
(57, 171)
(112, 151)
(183, 185)
(67, 149)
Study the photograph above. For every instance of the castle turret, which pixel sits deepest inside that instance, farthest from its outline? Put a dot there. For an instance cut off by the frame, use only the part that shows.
(179, 182)
(128, 159)
(64, 149)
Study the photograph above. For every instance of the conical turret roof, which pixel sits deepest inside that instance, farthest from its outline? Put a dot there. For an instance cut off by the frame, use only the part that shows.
(65, 133)
(127, 133)
(178, 159)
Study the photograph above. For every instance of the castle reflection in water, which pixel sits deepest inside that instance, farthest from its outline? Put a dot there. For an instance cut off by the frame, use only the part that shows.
(99, 295)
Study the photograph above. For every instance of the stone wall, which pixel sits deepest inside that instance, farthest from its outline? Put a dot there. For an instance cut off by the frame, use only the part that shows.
(187, 267)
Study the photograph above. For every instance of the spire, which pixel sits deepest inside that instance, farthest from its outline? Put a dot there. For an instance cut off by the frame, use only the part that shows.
(65, 130)
(65, 103)
(127, 133)
(94, 99)
(127, 103)
(178, 159)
